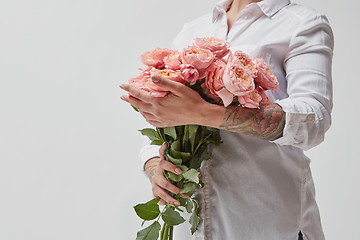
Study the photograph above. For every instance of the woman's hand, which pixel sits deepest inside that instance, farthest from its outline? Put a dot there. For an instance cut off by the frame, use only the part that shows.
(180, 107)
(155, 170)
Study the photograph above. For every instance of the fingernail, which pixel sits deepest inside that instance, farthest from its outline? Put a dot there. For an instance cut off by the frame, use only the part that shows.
(176, 203)
(122, 86)
(184, 195)
(155, 78)
(122, 98)
(178, 170)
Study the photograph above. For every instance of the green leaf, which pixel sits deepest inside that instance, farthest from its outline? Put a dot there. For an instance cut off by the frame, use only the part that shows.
(160, 131)
(183, 168)
(180, 131)
(196, 203)
(186, 134)
(182, 201)
(194, 221)
(149, 233)
(215, 142)
(201, 154)
(192, 135)
(172, 218)
(150, 133)
(180, 155)
(170, 131)
(174, 177)
(157, 142)
(215, 138)
(192, 175)
(189, 205)
(153, 201)
(177, 208)
(174, 160)
(148, 211)
(205, 155)
(212, 129)
(176, 145)
(188, 188)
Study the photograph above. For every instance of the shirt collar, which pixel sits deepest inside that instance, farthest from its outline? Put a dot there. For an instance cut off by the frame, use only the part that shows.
(269, 7)
(220, 7)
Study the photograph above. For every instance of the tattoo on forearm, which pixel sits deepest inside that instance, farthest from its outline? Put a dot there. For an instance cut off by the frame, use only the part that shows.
(265, 123)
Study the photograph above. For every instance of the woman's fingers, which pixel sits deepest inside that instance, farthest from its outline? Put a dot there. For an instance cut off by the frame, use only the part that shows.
(161, 193)
(160, 185)
(136, 92)
(165, 184)
(184, 195)
(161, 202)
(162, 149)
(166, 165)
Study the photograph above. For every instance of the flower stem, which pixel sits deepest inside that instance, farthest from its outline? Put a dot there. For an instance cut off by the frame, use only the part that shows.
(166, 232)
(162, 232)
(171, 233)
(186, 135)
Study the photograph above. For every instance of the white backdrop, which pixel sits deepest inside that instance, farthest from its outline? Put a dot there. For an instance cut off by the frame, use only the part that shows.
(68, 146)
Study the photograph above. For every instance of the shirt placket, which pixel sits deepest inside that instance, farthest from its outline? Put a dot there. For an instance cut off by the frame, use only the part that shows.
(242, 22)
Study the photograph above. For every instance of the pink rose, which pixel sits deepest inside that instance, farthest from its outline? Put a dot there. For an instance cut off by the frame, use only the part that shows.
(198, 57)
(214, 82)
(213, 78)
(169, 74)
(245, 60)
(172, 75)
(250, 100)
(263, 75)
(155, 90)
(141, 79)
(143, 82)
(172, 61)
(189, 72)
(217, 46)
(155, 58)
(237, 78)
(265, 100)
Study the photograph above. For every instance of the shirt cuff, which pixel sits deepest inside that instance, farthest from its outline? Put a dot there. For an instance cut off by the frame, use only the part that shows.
(147, 152)
(293, 120)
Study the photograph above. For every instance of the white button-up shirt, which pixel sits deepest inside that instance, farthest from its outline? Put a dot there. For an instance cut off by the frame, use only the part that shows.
(256, 189)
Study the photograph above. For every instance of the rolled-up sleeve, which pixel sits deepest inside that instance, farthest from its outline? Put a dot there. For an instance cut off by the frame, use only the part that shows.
(309, 84)
(147, 150)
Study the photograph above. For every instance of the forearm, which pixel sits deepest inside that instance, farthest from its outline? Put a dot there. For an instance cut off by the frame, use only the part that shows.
(267, 122)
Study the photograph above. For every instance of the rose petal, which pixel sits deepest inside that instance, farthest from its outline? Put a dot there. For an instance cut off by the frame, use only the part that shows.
(226, 96)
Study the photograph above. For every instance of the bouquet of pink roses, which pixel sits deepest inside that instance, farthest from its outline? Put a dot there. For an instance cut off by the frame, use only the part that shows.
(220, 77)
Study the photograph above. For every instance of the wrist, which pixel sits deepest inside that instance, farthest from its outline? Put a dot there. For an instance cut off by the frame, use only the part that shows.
(150, 166)
(211, 115)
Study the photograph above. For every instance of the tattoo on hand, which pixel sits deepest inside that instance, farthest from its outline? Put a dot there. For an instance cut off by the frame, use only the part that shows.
(266, 123)
(150, 169)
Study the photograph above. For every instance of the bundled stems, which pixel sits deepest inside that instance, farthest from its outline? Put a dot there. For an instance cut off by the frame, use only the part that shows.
(164, 232)
(187, 148)
(167, 232)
